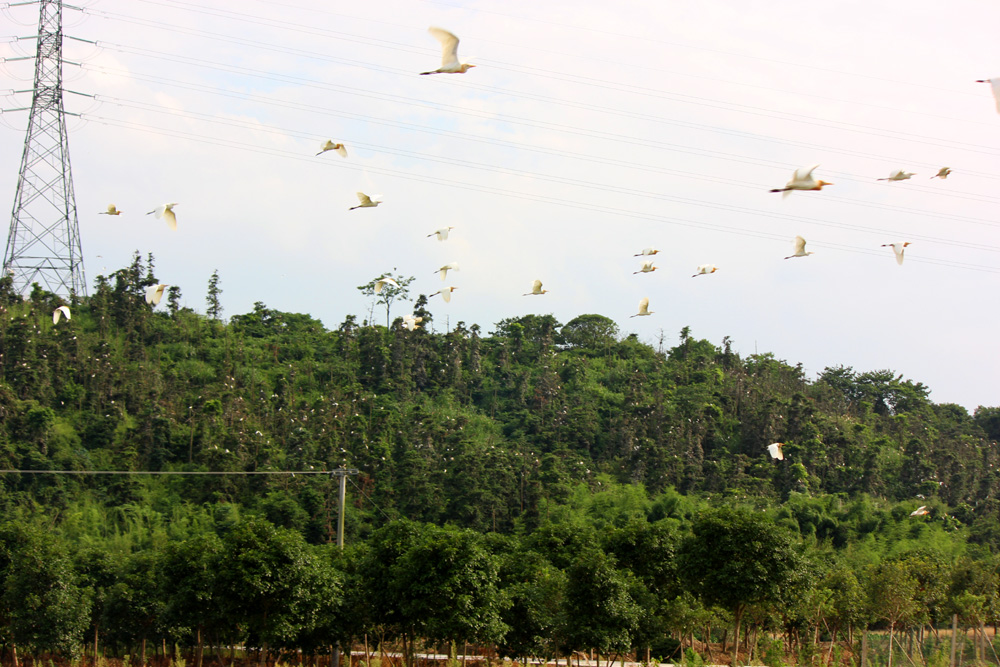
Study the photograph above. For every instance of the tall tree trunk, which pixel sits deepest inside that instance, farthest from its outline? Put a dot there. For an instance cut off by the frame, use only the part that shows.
(13, 652)
(736, 635)
(200, 650)
(95, 648)
(142, 652)
(892, 626)
(954, 638)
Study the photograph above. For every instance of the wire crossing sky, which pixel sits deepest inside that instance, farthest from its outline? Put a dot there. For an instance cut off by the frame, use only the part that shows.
(586, 133)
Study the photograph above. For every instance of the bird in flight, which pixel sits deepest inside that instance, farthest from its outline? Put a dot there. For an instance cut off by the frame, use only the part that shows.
(366, 201)
(383, 281)
(411, 322)
(647, 267)
(942, 173)
(802, 179)
(897, 248)
(799, 246)
(643, 308)
(920, 511)
(646, 252)
(536, 289)
(59, 312)
(898, 175)
(441, 234)
(154, 293)
(166, 211)
(451, 266)
(705, 269)
(995, 84)
(774, 449)
(328, 145)
(449, 53)
(111, 211)
(445, 293)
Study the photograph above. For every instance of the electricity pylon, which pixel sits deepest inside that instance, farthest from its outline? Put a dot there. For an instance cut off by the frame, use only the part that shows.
(43, 245)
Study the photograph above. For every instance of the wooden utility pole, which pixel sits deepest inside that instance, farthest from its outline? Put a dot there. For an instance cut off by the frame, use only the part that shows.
(954, 637)
(341, 476)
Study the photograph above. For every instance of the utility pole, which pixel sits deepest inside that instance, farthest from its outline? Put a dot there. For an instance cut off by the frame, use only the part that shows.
(43, 245)
(341, 476)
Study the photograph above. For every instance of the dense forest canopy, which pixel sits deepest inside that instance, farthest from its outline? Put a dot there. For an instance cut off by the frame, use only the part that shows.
(541, 488)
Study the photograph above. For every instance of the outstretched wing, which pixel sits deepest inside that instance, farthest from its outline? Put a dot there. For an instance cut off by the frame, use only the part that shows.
(449, 47)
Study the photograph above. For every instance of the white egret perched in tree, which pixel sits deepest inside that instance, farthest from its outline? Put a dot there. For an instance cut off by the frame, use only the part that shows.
(449, 53)
(452, 266)
(802, 179)
(166, 211)
(774, 449)
(646, 252)
(383, 281)
(898, 249)
(441, 234)
(898, 175)
(942, 173)
(366, 201)
(112, 210)
(705, 269)
(59, 312)
(445, 293)
(411, 322)
(799, 247)
(536, 289)
(330, 146)
(995, 84)
(643, 308)
(920, 511)
(154, 293)
(647, 267)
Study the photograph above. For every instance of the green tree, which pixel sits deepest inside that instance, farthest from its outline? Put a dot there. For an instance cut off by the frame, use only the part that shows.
(386, 294)
(212, 299)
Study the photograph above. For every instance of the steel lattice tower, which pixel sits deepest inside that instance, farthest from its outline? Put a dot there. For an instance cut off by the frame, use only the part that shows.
(44, 241)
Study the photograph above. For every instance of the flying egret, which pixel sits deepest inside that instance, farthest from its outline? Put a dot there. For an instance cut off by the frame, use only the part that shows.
(774, 449)
(154, 293)
(111, 211)
(646, 252)
(536, 289)
(942, 173)
(166, 211)
(647, 267)
(449, 53)
(330, 146)
(799, 245)
(705, 269)
(445, 293)
(643, 308)
(366, 201)
(898, 175)
(995, 83)
(59, 312)
(920, 511)
(802, 179)
(453, 266)
(441, 234)
(383, 281)
(411, 322)
(897, 248)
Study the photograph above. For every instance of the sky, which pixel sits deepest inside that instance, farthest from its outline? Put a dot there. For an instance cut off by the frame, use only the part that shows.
(587, 132)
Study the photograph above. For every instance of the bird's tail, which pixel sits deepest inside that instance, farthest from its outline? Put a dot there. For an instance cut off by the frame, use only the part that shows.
(425, 73)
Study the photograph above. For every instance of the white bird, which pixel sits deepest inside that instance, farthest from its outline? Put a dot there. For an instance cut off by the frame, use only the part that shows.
(445, 293)
(453, 266)
(705, 269)
(166, 211)
(799, 245)
(154, 293)
(441, 234)
(536, 289)
(449, 53)
(366, 201)
(646, 252)
(383, 281)
(920, 511)
(774, 449)
(59, 312)
(111, 211)
(942, 173)
(647, 267)
(330, 146)
(802, 179)
(898, 175)
(897, 248)
(995, 84)
(643, 308)
(411, 322)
